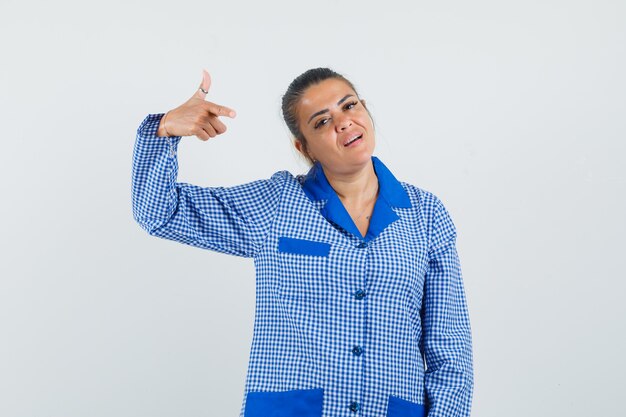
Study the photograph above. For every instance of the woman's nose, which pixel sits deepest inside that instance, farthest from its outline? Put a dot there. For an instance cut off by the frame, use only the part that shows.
(343, 124)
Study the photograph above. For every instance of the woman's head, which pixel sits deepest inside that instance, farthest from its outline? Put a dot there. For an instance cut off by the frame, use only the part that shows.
(323, 112)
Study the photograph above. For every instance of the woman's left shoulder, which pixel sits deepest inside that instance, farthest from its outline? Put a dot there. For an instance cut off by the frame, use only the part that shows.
(421, 198)
(441, 227)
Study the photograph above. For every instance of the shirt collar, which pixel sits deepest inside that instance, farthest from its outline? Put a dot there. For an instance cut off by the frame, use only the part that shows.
(391, 194)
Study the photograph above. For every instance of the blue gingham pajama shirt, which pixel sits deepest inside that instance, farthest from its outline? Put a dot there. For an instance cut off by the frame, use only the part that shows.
(345, 325)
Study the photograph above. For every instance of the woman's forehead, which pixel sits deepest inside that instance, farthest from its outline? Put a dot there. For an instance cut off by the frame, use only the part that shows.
(324, 95)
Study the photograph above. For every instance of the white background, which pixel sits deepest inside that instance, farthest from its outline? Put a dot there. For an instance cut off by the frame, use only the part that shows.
(513, 113)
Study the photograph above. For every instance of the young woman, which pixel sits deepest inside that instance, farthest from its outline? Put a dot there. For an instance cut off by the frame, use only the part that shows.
(360, 308)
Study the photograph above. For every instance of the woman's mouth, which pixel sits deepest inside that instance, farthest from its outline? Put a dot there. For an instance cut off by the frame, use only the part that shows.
(354, 140)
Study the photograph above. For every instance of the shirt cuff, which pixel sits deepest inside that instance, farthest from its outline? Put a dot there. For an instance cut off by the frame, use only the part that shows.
(149, 128)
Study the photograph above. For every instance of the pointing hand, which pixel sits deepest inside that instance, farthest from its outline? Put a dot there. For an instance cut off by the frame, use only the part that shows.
(196, 116)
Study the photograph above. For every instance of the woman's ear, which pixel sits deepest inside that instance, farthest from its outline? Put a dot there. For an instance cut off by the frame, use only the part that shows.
(298, 145)
(301, 148)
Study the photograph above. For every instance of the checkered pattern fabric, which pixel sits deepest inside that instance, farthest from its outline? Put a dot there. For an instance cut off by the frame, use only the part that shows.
(373, 324)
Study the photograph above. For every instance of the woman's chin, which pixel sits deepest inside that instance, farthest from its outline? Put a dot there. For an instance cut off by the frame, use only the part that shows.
(362, 157)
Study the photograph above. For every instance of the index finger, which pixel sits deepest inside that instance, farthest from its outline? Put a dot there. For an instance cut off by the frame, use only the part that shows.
(219, 110)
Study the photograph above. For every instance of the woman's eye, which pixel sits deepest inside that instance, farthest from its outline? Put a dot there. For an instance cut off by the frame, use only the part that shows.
(350, 105)
(320, 123)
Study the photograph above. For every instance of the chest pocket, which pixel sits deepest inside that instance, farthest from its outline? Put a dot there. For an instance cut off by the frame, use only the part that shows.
(303, 268)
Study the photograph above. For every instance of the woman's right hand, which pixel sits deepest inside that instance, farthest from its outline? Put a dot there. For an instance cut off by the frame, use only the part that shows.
(196, 116)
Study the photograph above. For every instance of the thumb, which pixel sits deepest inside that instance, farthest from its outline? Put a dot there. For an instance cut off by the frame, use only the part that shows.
(204, 85)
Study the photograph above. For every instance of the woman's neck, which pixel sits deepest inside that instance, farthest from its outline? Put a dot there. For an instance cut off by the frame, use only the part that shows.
(355, 188)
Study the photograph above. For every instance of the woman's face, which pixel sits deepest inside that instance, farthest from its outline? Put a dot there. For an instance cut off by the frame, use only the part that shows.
(330, 116)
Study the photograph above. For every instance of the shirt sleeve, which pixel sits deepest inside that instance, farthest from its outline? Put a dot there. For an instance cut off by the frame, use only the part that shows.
(446, 335)
(232, 220)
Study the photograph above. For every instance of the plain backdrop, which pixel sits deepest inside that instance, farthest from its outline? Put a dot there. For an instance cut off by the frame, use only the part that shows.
(512, 112)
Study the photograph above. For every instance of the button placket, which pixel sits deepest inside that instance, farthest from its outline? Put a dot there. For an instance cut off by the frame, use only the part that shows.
(359, 294)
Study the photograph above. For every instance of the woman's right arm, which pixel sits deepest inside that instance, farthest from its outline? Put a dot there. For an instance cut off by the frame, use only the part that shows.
(233, 220)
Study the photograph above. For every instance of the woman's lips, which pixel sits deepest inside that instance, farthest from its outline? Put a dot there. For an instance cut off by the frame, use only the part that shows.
(354, 142)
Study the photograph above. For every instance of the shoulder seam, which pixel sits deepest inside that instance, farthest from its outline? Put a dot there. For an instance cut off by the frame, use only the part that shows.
(440, 209)
(278, 205)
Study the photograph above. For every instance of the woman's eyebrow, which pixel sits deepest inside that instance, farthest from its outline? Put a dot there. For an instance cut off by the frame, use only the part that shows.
(326, 110)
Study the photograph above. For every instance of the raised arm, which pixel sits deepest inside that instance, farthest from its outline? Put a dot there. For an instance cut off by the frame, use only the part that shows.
(233, 220)
(447, 340)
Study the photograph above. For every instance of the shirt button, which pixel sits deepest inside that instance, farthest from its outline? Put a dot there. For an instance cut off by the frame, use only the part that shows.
(361, 245)
(357, 350)
(359, 294)
(354, 406)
